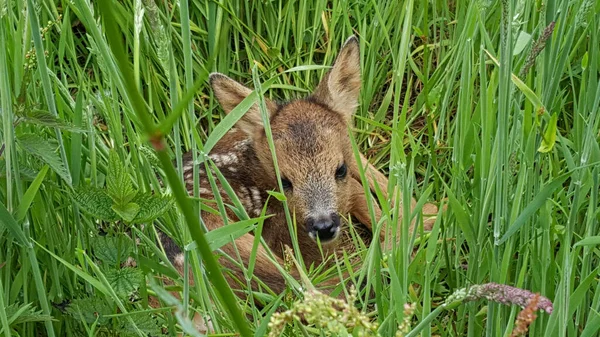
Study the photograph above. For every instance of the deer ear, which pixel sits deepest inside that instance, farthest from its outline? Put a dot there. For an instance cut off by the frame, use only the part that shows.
(230, 93)
(340, 87)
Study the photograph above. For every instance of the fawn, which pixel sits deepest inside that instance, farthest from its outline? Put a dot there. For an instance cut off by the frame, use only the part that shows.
(319, 172)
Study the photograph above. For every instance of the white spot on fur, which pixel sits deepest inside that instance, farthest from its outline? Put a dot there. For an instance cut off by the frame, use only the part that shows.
(242, 145)
(232, 169)
(188, 166)
(256, 198)
(224, 159)
(179, 259)
(244, 196)
(204, 190)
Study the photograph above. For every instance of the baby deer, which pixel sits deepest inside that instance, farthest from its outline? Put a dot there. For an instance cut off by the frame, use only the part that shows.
(319, 173)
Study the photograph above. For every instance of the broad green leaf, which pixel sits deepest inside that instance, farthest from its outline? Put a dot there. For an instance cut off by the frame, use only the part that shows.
(92, 309)
(526, 90)
(521, 43)
(124, 281)
(151, 207)
(277, 195)
(95, 202)
(112, 250)
(150, 325)
(46, 150)
(127, 212)
(30, 194)
(589, 241)
(118, 182)
(549, 137)
(219, 237)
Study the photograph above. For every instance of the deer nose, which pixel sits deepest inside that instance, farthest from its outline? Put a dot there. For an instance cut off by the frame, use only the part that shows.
(326, 227)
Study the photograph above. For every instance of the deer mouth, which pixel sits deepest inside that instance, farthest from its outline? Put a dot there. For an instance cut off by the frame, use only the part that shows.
(325, 237)
(323, 227)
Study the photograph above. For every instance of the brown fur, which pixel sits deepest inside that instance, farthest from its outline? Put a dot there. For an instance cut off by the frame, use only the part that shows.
(311, 143)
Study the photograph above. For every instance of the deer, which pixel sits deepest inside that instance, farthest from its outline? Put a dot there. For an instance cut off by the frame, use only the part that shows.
(319, 172)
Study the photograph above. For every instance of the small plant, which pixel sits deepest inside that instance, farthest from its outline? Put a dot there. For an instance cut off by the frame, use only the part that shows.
(120, 200)
(335, 316)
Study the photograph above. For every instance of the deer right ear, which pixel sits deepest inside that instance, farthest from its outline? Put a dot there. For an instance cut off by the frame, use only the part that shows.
(230, 93)
(340, 87)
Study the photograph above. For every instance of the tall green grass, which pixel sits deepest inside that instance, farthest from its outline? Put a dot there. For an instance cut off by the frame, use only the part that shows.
(488, 107)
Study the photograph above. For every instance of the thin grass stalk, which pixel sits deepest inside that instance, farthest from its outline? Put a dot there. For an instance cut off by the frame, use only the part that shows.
(7, 116)
(3, 318)
(225, 293)
(188, 73)
(269, 135)
(46, 86)
(501, 186)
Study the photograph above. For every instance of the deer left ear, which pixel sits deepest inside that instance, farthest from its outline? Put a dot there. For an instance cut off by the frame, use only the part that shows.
(230, 93)
(340, 87)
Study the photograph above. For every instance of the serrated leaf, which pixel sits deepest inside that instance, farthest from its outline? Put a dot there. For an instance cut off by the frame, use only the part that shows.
(45, 118)
(118, 182)
(150, 156)
(124, 281)
(91, 309)
(95, 202)
(549, 138)
(151, 207)
(112, 250)
(23, 313)
(46, 150)
(150, 325)
(127, 212)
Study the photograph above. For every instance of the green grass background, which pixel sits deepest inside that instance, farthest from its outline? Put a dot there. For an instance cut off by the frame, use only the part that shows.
(446, 107)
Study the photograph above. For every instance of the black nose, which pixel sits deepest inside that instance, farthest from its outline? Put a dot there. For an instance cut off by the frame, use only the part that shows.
(325, 227)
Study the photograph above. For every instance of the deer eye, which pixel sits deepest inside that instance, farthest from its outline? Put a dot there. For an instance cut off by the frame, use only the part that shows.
(286, 184)
(341, 171)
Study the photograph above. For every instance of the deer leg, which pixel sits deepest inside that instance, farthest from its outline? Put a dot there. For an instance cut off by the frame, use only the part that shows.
(375, 177)
(359, 206)
(263, 266)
